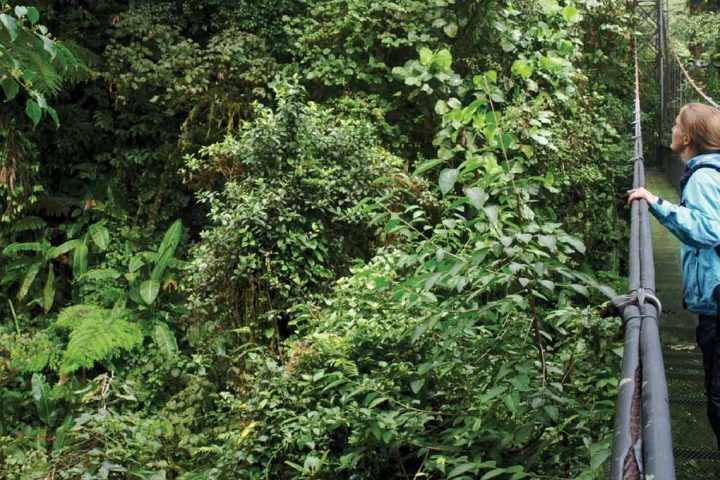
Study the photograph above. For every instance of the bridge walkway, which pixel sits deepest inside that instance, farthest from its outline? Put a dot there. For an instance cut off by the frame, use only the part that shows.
(696, 455)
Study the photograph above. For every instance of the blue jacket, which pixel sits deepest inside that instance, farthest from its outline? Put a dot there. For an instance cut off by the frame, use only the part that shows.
(696, 222)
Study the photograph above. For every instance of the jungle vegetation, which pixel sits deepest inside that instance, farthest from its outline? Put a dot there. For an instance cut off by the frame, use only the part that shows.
(293, 239)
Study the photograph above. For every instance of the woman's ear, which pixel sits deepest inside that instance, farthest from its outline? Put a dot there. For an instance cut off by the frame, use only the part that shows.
(687, 140)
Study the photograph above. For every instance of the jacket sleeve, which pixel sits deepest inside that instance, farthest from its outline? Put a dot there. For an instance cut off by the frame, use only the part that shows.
(698, 224)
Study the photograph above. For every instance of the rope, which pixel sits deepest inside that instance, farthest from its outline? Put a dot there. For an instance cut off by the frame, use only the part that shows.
(692, 82)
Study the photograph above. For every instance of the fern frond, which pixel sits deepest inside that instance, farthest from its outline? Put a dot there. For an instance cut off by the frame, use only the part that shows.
(73, 316)
(42, 74)
(94, 340)
(28, 223)
(79, 60)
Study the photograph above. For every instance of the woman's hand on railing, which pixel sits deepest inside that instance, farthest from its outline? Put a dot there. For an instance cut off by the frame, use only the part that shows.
(638, 193)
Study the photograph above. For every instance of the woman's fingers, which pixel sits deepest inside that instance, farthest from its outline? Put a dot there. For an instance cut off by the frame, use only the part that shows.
(641, 193)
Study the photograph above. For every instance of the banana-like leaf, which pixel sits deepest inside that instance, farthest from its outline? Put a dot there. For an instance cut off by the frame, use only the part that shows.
(25, 247)
(41, 397)
(169, 244)
(171, 239)
(161, 265)
(149, 290)
(165, 339)
(49, 290)
(28, 280)
(80, 260)
(62, 249)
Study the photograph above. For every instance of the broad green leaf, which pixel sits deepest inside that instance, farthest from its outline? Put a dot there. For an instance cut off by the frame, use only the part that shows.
(32, 110)
(10, 87)
(522, 68)
(576, 243)
(542, 140)
(53, 114)
(41, 397)
(20, 11)
(417, 385)
(100, 236)
(477, 197)
(451, 29)
(492, 213)
(28, 280)
(462, 468)
(10, 25)
(492, 393)
(33, 14)
(134, 294)
(607, 291)
(443, 59)
(581, 289)
(426, 56)
(493, 473)
(441, 107)
(570, 13)
(136, 263)
(149, 290)
(599, 453)
(49, 46)
(49, 289)
(169, 244)
(447, 179)
(80, 260)
(296, 466)
(428, 165)
(549, 6)
(171, 239)
(548, 241)
(165, 339)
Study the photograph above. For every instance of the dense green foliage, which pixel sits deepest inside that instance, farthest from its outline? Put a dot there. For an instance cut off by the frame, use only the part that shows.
(347, 239)
(697, 42)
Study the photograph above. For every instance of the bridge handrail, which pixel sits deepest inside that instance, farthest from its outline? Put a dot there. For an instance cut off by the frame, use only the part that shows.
(642, 443)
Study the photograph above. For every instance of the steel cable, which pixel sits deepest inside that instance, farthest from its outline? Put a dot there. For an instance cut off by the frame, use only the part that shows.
(642, 446)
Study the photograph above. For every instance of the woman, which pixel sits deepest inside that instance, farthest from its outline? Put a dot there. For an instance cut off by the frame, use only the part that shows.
(696, 222)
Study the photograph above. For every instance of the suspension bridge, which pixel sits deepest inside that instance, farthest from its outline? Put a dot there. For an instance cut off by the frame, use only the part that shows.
(661, 429)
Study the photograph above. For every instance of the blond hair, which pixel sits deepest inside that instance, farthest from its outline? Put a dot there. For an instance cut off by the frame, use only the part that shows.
(702, 123)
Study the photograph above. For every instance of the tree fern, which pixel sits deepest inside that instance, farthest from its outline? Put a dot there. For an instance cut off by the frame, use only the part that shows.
(97, 334)
(71, 317)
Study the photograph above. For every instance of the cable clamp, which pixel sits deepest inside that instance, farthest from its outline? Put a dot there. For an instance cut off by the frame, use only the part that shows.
(639, 297)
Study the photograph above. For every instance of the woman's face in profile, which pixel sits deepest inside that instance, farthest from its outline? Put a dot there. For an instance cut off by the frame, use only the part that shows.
(680, 139)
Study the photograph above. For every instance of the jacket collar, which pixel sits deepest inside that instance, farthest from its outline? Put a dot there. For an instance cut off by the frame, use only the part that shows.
(703, 158)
